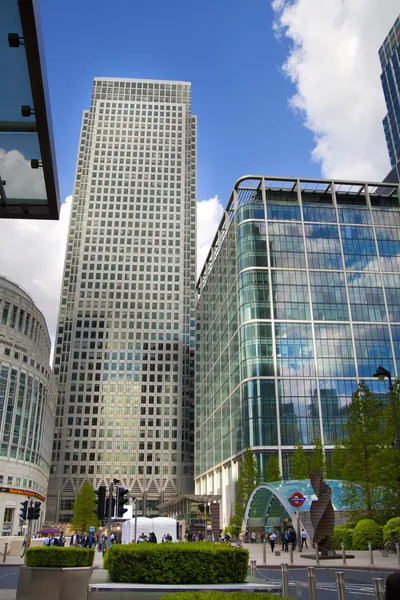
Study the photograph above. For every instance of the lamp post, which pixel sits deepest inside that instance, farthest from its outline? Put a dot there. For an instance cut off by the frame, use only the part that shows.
(382, 374)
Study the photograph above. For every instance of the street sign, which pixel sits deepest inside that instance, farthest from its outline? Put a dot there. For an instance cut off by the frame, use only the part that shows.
(297, 499)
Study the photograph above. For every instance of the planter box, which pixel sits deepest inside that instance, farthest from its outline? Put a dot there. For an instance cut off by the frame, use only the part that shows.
(38, 583)
(101, 588)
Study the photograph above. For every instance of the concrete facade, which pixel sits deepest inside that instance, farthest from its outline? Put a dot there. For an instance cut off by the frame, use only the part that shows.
(27, 405)
(124, 355)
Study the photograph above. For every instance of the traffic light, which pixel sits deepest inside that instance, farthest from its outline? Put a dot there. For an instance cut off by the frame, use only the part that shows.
(107, 508)
(23, 513)
(122, 498)
(36, 510)
(101, 502)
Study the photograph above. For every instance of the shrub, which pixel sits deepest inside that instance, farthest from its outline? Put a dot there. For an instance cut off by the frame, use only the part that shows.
(59, 557)
(367, 531)
(177, 563)
(391, 531)
(344, 534)
(222, 596)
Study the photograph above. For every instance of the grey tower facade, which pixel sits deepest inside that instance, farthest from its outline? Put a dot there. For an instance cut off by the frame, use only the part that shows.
(125, 342)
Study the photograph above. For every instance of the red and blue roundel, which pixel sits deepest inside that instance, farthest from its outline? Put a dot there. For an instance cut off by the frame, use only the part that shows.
(297, 499)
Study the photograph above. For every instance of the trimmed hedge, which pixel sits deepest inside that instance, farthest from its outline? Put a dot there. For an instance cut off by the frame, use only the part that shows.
(342, 533)
(391, 531)
(53, 556)
(367, 531)
(222, 596)
(177, 563)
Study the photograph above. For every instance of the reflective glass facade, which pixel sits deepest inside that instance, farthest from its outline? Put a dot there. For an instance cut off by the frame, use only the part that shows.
(389, 56)
(298, 300)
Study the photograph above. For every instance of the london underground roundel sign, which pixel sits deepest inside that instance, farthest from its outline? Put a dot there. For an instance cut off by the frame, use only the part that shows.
(297, 499)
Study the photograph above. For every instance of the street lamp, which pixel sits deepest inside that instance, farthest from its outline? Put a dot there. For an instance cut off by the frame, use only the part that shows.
(382, 374)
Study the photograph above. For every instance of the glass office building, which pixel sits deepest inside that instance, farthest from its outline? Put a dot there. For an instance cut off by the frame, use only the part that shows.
(389, 56)
(124, 351)
(298, 300)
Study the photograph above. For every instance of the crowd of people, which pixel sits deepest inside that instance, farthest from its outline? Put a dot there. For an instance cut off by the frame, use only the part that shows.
(95, 540)
(152, 538)
(276, 536)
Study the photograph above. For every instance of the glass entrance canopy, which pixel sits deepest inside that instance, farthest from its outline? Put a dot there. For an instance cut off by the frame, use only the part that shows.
(28, 176)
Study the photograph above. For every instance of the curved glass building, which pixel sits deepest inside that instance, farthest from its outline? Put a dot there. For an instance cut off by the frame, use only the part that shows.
(269, 505)
(298, 300)
(27, 405)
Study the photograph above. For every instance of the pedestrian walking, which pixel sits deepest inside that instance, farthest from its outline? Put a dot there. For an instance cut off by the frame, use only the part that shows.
(286, 538)
(25, 545)
(271, 539)
(292, 538)
(61, 539)
(303, 539)
(253, 537)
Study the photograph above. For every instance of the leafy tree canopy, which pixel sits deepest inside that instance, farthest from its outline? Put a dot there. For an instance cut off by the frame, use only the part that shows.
(272, 470)
(300, 468)
(83, 515)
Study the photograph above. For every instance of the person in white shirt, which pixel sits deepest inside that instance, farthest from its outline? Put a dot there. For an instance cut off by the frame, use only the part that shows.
(271, 539)
(303, 539)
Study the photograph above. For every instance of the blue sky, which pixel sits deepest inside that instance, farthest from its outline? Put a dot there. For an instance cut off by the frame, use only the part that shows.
(240, 93)
(226, 49)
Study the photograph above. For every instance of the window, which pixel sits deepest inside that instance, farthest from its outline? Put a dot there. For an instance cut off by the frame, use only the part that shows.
(8, 521)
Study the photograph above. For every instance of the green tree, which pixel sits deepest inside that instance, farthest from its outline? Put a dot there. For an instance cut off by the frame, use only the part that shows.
(338, 462)
(387, 464)
(272, 470)
(248, 479)
(362, 446)
(318, 457)
(83, 515)
(300, 468)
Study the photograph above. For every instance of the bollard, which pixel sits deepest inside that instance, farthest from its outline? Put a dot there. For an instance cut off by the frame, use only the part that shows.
(253, 567)
(291, 554)
(316, 554)
(5, 552)
(311, 583)
(264, 553)
(371, 555)
(344, 554)
(285, 581)
(378, 583)
(340, 586)
(398, 554)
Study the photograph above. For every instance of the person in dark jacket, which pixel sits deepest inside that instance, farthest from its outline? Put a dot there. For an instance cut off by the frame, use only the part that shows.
(393, 587)
(75, 539)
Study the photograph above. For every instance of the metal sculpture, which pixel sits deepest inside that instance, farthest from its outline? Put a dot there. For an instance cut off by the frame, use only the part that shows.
(322, 514)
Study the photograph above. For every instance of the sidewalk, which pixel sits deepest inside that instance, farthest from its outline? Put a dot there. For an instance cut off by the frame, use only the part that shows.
(361, 560)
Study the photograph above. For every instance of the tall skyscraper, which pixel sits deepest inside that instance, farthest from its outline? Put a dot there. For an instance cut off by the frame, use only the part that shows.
(299, 299)
(389, 55)
(124, 354)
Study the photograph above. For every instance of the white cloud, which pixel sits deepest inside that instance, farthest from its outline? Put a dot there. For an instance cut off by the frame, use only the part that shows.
(21, 180)
(32, 254)
(334, 65)
(209, 214)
